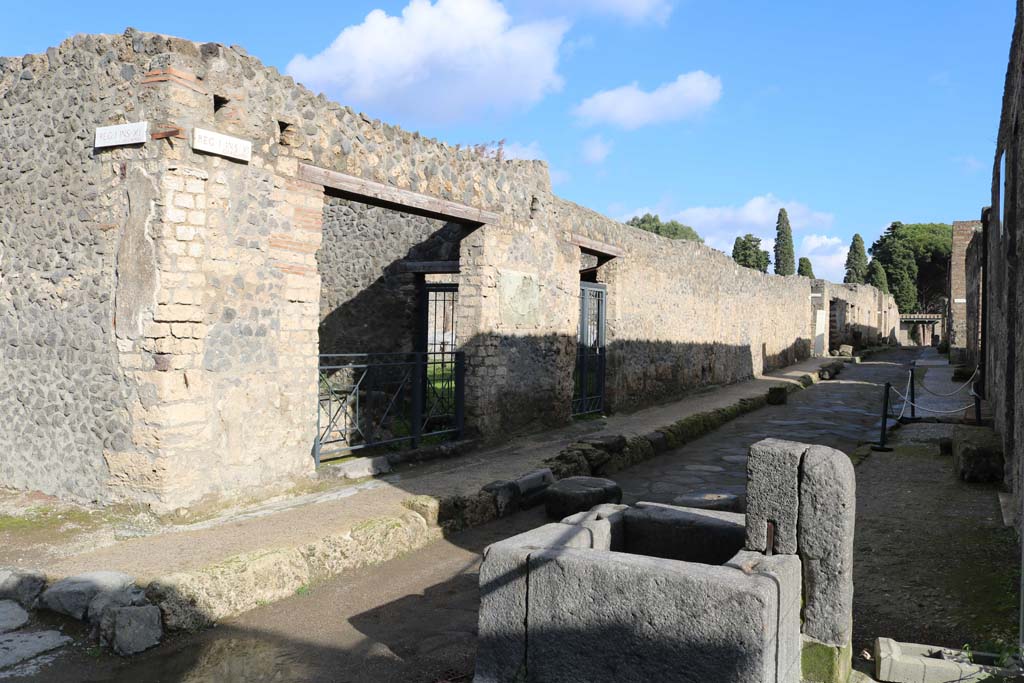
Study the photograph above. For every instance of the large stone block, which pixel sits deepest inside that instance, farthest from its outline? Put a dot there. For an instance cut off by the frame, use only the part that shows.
(607, 518)
(501, 654)
(577, 494)
(786, 571)
(22, 585)
(689, 534)
(85, 595)
(600, 616)
(21, 645)
(130, 630)
(977, 454)
(12, 616)
(773, 473)
(827, 519)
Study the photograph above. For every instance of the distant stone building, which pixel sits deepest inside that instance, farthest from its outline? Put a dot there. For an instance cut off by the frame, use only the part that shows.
(956, 319)
(183, 231)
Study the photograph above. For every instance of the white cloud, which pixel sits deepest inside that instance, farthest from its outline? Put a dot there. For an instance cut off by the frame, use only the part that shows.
(438, 61)
(827, 254)
(720, 225)
(630, 107)
(596, 149)
(517, 150)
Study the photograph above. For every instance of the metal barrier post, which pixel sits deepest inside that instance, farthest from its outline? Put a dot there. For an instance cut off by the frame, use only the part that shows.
(977, 410)
(419, 374)
(880, 446)
(913, 395)
(460, 393)
(319, 409)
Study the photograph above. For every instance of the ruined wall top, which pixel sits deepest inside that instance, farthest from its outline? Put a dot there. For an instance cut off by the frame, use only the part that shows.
(225, 89)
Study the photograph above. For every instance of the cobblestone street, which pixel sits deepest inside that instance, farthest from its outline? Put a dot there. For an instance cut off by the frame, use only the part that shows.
(841, 413)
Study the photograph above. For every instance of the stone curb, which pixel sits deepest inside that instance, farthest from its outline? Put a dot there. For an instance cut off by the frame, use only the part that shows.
(601, 455)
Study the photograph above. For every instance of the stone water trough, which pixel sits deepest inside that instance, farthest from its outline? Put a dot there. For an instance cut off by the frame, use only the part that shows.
(666, 593)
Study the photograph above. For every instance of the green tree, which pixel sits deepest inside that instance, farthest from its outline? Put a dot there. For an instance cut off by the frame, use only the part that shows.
(747, 252)
(784, 256)
(876, 276)
(805, 267)
(856, 261)
(930, 244)
(672, 229)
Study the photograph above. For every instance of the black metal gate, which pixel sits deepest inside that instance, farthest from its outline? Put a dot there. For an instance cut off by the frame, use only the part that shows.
(394, 399)
(588, 378)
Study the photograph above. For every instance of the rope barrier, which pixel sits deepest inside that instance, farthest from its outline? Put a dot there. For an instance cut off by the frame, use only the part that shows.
(957, 391)
(903, 408)
(932, 410)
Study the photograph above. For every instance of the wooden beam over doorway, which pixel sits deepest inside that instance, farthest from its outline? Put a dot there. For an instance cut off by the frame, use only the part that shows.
(379, 194)
(427, 267)
(598, 248)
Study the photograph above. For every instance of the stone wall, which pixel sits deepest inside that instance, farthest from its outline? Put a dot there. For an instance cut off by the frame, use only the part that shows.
(956, 320)
(973, 278)
(368, 301)
(682, 315)
(162, 308)
(859, 315)
(1000, 361)
(70, 220)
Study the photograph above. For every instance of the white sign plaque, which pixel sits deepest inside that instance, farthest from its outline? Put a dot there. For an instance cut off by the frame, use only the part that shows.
(224, 145)
(959, 301)
(124, 134)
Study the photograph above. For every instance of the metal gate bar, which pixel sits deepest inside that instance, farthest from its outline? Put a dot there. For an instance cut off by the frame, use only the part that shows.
(589, 375)
(367, 400)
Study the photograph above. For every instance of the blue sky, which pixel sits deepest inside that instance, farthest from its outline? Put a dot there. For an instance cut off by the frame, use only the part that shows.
(714, 112)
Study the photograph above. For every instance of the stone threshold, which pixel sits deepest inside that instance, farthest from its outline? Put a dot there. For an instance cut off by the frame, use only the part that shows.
(208, 572)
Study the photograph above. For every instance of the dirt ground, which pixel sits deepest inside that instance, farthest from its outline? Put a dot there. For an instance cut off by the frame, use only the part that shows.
(933, 562)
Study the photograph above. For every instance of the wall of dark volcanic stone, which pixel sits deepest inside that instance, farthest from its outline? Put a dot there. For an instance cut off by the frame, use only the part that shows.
(368, 303)
(64, 400)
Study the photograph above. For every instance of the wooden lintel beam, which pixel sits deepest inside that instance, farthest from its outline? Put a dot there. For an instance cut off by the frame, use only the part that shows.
(600, 248)
(428, 266)
(379, 194)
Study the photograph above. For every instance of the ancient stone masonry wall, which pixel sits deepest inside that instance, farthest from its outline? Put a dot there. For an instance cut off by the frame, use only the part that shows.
(974, 276)
(1003, 279)
(963, 232)
(859, 315)
(70, 220)
(161, 308)
(368, 301)
(682, 315)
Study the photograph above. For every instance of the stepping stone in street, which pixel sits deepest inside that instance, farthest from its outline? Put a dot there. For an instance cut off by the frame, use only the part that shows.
(12, 616)
(726, 502)
(17, 647)
(576, 494)
(703, 468)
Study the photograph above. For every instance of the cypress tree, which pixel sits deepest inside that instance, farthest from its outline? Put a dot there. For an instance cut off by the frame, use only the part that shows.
(876, 276)
(856, 262)
(784, 256)
(805, 268)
